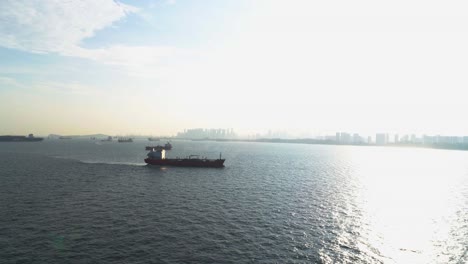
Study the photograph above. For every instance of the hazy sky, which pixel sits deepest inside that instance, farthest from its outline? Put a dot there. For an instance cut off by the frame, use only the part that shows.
(157, 67)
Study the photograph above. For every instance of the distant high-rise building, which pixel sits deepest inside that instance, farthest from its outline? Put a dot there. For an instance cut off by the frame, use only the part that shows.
(357, 139)
(396, 138)
(345, 138)
(381, 138)
(428, 139)
(465, 140)
(404, 139)
(200, 133)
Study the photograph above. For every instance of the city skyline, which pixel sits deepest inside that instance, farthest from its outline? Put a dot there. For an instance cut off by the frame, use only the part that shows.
(159, 66)
(342, 137)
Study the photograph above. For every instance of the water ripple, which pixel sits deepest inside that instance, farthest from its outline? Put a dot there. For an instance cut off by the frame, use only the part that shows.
(273, 203)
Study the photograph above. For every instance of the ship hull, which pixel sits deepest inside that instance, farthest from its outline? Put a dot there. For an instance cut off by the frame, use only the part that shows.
(19, 139)
(219, 163)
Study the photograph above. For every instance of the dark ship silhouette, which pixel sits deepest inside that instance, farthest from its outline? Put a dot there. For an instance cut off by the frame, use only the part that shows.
(158, 157)
(29, 138)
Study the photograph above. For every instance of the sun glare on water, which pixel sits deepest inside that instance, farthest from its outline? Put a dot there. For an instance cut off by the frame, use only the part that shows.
(410, 202)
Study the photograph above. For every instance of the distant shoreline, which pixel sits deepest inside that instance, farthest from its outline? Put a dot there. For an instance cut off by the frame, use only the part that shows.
(306, 141)
(310, 141)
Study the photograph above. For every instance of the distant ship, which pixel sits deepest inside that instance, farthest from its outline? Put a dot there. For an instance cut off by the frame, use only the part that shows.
(29, 138)
(125, 140)
(65, 137)
(158, 157)
(109, 138)
(166, 146)
(153, 139)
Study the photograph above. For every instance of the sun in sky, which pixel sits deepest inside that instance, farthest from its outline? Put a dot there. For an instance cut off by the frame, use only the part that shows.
(157, 67)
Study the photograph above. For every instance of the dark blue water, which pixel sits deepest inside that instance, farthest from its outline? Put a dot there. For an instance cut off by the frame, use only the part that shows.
(79, 201)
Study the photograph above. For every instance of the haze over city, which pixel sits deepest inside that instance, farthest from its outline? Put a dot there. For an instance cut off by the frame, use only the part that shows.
(158, 67)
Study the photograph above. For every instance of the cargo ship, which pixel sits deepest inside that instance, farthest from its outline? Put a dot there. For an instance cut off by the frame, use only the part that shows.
(29, 138)
(125, 140)
(158, 157)
(153, 139)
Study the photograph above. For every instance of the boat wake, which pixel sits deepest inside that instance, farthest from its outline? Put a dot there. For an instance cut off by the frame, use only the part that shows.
(114, 163)
(139, 164)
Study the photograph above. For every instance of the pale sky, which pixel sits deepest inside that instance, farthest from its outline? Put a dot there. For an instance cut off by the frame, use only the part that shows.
(157, 67)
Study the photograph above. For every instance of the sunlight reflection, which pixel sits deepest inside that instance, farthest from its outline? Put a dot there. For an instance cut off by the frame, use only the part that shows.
(409, 201)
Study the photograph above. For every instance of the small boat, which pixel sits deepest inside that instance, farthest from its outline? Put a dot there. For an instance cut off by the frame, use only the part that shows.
(153, 139)
(168, 146)
(125, 140)
(158, 157)
(109, 138)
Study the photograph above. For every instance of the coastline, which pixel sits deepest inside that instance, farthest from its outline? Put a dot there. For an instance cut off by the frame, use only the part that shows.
(310, 141)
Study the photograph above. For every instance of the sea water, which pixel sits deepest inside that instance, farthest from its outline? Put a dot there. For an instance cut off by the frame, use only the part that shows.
(85, 201)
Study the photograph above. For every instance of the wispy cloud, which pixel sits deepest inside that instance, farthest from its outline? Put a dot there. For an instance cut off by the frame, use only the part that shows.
(67, 88)
(50, 87)
(7, 82)
(55, 26)
(59, 27)
(133, 57)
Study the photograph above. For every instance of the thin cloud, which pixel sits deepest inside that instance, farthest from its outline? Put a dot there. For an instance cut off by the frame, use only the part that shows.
(121, 55)
(7, 82)
(55, 26)
(68, 88)
(61, 26)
